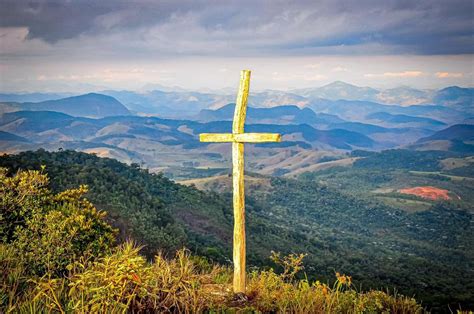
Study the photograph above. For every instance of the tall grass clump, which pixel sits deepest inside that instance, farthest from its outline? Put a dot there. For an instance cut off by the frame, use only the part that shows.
(282, 293)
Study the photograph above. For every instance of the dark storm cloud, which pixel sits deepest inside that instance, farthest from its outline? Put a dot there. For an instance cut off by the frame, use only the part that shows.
(53, 20)
(278, 27)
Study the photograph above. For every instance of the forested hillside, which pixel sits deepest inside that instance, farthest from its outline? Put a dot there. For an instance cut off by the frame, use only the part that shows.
(147, 207)
(57, 255)
(380, 245)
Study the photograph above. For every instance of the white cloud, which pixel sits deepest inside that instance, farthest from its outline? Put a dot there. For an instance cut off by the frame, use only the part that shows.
(316, 77)
(339, 69)
(313, 66)
(197, 73)
(449, 75)
(396, 74)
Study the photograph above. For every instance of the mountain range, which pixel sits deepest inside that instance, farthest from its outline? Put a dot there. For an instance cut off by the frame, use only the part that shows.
(172, 102)
(453, 96)
(132, 126)
(285, 114)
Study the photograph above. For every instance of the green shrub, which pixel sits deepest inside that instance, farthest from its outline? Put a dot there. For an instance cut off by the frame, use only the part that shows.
(50, 231)
(22, 196)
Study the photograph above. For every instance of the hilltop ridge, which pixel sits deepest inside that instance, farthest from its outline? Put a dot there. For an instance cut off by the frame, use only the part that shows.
(86, 105)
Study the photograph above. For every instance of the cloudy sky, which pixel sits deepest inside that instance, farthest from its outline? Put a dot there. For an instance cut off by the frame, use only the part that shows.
(84, 45)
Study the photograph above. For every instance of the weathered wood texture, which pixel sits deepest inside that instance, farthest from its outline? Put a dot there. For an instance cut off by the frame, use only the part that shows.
(238, 138)
(257, 137)
(241, 137)
(216, 137)
(239, 217)
(238, 184)
(241, 102)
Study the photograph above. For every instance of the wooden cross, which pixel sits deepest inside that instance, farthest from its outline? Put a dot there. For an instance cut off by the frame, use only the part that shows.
(238, 138)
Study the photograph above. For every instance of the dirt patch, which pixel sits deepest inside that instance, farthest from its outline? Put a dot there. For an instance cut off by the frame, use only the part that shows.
(427, 192)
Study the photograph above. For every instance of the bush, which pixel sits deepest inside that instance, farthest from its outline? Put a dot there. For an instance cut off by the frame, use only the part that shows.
(22, 196)
(50, 231)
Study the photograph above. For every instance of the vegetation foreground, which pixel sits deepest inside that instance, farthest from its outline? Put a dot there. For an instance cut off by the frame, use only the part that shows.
(57, 254)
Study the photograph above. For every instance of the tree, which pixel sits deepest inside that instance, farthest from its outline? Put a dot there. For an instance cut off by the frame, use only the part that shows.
(47, 230)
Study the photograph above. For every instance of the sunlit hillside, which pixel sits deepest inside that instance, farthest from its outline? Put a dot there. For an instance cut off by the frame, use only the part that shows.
(57, 255)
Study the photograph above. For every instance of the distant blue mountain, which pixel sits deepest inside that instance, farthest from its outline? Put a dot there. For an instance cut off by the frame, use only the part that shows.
(337, 138)
(359, 110)
(456, 97)
(402, 118)
(88, 105)
(5, 136)
(339, 90)
(168, 103)
(275, 115)
(459, 132)
(31, 97)
(365, 128)
(46, 126)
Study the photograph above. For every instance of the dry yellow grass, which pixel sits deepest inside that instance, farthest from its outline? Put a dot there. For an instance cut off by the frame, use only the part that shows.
(452, 163)
(124, 282)
(346, 162)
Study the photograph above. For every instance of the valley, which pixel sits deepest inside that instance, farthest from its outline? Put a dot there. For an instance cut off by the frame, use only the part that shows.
(345, 219)
(380, 191)
(237, 157)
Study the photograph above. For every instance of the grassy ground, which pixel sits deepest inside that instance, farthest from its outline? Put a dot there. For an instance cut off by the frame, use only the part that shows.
(125, 282)
(408, 205)
(438, 173)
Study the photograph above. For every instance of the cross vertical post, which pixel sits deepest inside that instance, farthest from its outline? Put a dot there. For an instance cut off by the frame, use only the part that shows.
(238, 184)
(238, 137)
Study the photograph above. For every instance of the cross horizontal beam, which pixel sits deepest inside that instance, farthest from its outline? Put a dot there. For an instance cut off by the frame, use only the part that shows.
(240, 137)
